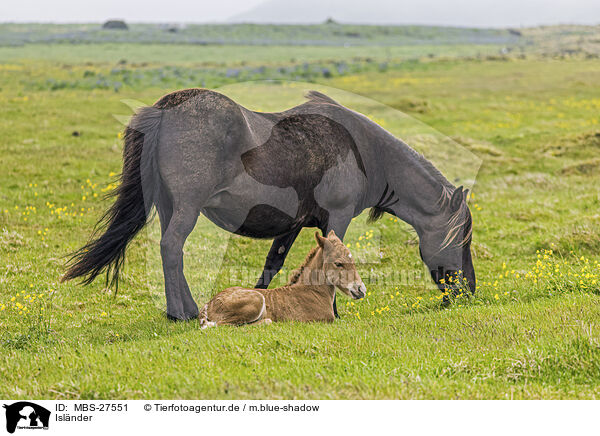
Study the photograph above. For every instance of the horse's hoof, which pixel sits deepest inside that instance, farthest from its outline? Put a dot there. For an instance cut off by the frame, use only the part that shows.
(181, 317)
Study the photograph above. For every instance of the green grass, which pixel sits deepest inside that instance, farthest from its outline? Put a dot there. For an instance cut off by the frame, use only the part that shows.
(530, 332)
(231, 55)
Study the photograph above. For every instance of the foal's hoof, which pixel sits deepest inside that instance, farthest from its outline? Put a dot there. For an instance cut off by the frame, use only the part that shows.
(208, 324)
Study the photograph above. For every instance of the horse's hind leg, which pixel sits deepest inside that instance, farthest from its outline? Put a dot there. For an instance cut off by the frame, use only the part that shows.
(276, 257)
(164, 207)
(180, 304)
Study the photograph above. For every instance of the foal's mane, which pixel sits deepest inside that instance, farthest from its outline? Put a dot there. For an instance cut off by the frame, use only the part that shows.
(298, 272)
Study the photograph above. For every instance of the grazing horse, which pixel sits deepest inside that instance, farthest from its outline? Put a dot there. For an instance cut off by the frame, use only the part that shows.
(307, 297)
(268, 175)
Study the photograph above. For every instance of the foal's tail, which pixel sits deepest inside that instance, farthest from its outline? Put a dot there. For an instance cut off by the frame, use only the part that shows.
(130, 211)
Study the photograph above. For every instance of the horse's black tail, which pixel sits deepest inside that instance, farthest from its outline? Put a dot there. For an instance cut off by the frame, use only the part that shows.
(129, 213)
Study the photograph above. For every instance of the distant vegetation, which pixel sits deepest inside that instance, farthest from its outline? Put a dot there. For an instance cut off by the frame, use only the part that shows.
(545, 40)
(263, 34)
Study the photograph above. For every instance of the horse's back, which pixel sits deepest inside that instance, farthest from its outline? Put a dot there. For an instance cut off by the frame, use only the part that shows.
(258, 174)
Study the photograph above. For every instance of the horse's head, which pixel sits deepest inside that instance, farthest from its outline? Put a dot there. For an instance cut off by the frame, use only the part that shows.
(445, 245)
(339, 267)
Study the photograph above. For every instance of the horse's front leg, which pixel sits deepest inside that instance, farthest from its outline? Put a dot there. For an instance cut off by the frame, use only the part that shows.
(276, 257)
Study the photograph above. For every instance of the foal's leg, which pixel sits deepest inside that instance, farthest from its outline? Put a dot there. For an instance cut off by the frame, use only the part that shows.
(277, 254)
(180, 304)
(237, 306)
(265, 321)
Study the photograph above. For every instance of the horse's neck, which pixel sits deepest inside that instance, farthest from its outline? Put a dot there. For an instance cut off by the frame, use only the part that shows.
(411, 186)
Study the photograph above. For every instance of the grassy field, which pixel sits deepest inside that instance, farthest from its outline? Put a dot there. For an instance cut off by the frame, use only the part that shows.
(531, 331)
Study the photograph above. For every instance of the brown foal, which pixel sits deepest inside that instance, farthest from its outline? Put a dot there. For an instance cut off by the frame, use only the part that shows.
(307, 297)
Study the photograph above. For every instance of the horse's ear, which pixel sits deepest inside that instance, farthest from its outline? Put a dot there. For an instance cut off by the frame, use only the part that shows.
(331, 234)
(457, 199)
(466, 194)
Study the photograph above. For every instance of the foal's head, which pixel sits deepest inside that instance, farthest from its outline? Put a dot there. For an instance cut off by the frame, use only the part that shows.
(338, 266)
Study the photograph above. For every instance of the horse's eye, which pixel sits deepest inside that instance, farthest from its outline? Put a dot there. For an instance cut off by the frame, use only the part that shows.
(338, 264)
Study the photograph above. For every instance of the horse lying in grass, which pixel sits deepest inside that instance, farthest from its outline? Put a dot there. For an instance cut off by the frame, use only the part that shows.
(307, 297)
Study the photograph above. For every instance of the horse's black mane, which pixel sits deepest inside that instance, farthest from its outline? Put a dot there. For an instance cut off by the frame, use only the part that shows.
(319, 97)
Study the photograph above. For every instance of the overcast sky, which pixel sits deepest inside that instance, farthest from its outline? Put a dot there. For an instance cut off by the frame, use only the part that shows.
(70, 11)
(476, 13)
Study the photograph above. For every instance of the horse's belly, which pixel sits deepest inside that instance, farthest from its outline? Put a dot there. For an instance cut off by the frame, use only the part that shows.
(249, 208)
(261, 221)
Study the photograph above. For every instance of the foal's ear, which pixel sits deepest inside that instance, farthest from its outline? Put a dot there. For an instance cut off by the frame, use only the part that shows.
(320, 239)
(331, 234)
(457, 199)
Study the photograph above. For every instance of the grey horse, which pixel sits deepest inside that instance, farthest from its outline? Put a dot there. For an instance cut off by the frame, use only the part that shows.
(268, 175)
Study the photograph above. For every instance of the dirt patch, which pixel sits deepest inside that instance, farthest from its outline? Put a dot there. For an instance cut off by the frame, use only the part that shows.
(11, 240)
(573, 146)
(587, 167)
(527, 181)
(478, 146)
(584, 237)
(412, 105)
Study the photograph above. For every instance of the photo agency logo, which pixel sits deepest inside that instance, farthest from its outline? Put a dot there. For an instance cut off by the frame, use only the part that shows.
(25, 415)
(239, 166)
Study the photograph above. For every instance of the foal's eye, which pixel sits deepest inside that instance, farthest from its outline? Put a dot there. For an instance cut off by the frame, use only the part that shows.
(338, 264)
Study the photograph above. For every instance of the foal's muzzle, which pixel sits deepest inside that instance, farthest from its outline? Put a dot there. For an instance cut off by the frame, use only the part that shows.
(358, 290)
